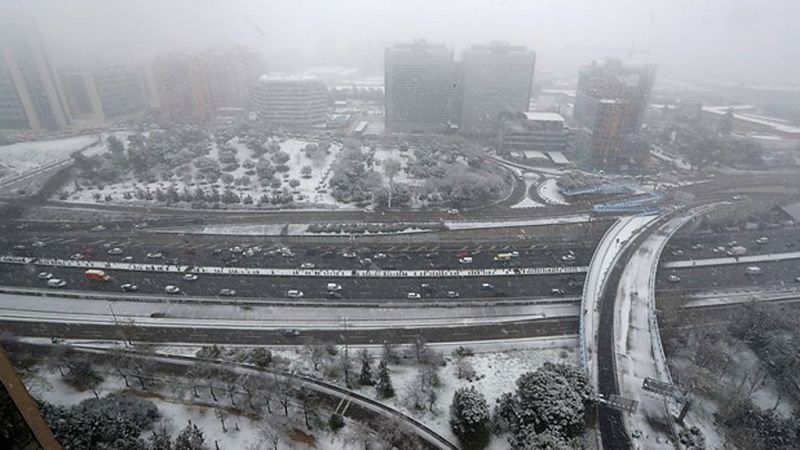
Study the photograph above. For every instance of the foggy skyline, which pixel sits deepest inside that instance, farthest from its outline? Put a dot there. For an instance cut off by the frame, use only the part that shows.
(716, 40)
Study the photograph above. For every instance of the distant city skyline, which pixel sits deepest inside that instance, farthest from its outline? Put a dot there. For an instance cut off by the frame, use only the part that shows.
(733, 41)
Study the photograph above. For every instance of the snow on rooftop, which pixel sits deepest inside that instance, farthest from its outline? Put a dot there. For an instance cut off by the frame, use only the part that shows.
(544, 116)
(287, 77)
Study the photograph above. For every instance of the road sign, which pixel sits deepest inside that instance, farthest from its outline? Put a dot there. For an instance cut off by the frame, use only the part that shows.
(660, 387)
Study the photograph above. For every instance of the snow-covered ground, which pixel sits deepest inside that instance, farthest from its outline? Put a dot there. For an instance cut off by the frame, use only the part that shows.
(528, 202)
(311, 190)
(48, 385)
(559, 220)
(548, 191)
(24, 156)
(496, 373)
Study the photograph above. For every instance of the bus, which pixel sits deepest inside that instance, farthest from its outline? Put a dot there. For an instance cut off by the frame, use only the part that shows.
(96, 275)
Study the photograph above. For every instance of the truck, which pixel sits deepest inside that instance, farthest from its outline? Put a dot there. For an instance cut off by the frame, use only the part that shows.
(96, 275)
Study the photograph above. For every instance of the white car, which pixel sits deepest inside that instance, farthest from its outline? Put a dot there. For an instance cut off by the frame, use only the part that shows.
(465, 260)
(413, 296)
(56, 283)
(236, 249)
(249, 253)
(170, 289)
(333, 287)
(762, 240)
(379, 255)
(129, 287)
(127, 259)
(189, 277)
(349, 255)
(38, 244)
(45, 275)
(99, 228)
(227, 292)
(568, 257)
(452, 211)
(115, 251)
(307, 265)
(753, 270)
(294, 293)
(452, 294)
(557, 292)
(77, 256)
(155, 255)
(673, 278)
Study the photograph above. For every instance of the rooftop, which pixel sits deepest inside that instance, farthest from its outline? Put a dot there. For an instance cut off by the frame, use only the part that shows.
(544, 116)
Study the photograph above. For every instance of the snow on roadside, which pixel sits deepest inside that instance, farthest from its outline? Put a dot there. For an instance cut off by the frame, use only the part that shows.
(24, 156)
(548, 191)
(558, 220)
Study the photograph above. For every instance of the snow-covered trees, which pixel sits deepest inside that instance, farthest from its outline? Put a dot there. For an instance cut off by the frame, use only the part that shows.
(469, 417)
(384, 385)
(365, 376)
(190, 438)
(114, 421)
(553, 398)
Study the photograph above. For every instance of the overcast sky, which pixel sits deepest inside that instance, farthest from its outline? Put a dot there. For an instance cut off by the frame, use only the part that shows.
(722, 40)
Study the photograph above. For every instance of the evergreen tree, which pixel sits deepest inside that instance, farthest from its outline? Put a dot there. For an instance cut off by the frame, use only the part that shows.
(469, 417)
(160, 440)
(190, 438)
(384, 386)
(365, 378)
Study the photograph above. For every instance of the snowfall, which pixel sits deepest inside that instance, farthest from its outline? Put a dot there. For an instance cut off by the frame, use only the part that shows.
(16, 159)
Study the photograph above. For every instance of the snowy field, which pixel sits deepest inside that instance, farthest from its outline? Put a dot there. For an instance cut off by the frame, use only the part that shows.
(548, 191)
(312, 191)
(25, 156)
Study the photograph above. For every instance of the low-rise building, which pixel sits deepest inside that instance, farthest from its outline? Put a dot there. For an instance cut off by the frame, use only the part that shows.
(533, 131)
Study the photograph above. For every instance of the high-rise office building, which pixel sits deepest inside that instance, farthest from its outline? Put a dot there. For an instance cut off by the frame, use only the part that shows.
(103, 93)
(495, 78)
(232, 74)
(181, 86)
(291, 101)
(30, 95)
(611, 101)
(422, 89)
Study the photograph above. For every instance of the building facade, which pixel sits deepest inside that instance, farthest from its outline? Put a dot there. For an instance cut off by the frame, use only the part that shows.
(30, 94)
(181, 86)
(232, 74)
(422, 88)
(611, 101)
(495, 78)
(539, 131)
(103, 93)
(292, 102)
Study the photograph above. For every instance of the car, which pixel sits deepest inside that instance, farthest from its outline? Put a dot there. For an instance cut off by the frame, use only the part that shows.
(349, 255)
(452, 294)
(155, 255)
(673, 278)
(77, 256)
(225, 292)
(753, 270)
(462, 254)
(249, 253)
(797, 280)
(431, 255)
(557, 292)
(413, 295)
(56, 283)
(127, 259)
(140, 225)
(20, 247)
(115, 251)
(99, 228)
(170, 289)
(129, 287)
(158, 315)
(698, 247)
(426, 288)
(290, 332)
(486, 287)
(465, 260)
(216, 251)
(236, 249)
(334, 295)
(38, 244)
(452, 211)
(307, 265)
(294, 293)
(568, 257)
(762, 240)
(329, 254)
(189, 277)
(736, 197)
(231, 262)
(45, 275)
(677, 252)
(333, 287)
(379, 256)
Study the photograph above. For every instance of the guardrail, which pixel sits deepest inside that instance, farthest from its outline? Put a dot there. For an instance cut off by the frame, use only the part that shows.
(217, 270)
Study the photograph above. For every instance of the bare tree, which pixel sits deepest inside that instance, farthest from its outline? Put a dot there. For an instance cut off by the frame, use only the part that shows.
(316, 353)
(309, 400)
(390, 354)
(221, 415)
(284, 387)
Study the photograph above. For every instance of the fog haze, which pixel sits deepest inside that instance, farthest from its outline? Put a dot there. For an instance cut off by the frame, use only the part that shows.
(736, 41)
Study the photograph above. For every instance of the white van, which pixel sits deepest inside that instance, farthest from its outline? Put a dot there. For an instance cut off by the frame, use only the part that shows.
(753, 270)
